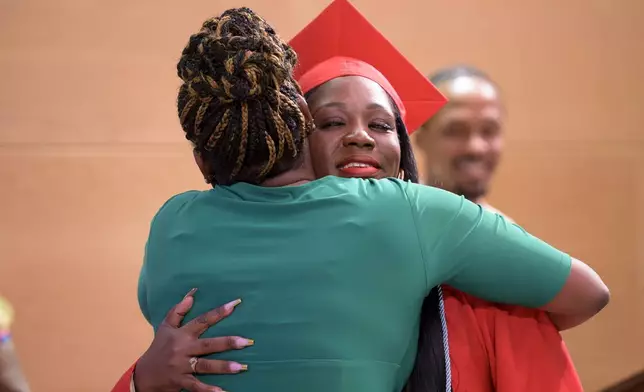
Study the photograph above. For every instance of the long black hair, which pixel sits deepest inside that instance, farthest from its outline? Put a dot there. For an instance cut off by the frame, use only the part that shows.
(431, 370)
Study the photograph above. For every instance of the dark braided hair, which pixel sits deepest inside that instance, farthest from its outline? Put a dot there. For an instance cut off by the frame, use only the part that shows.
(238, 104)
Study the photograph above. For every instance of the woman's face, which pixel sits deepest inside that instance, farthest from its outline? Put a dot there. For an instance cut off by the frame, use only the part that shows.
(355, 132)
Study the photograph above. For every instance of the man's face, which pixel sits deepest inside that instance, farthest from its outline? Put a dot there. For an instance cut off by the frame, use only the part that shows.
(462, 144)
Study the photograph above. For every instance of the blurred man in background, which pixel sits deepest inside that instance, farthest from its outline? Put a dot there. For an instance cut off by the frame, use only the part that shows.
(11, 377)
(462, 144)
(508, 348)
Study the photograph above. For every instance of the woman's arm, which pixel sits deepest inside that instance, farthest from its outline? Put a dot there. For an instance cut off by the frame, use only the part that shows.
(481, 253)
(582, 296)
(166, 365)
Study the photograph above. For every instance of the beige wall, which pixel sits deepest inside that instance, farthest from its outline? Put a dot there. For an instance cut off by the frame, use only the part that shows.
(90, 148)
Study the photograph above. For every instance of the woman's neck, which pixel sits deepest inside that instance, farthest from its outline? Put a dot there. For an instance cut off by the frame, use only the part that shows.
(299, 175)
(289, 178)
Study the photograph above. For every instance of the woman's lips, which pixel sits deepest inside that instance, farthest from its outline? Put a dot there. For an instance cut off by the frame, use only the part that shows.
(359, 170)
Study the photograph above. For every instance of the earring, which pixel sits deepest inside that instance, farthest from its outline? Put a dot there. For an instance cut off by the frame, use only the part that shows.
(401, 174)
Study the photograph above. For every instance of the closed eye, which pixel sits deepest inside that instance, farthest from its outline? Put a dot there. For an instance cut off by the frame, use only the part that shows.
(380, 126)
(332, 124)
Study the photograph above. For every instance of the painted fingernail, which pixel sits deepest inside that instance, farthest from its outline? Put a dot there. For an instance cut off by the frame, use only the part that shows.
(191, 293)
(243, 342)
(231, 305)
(238, 367)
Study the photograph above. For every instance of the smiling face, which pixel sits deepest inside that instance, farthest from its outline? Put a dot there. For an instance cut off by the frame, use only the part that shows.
(356, 133)
(463, 142)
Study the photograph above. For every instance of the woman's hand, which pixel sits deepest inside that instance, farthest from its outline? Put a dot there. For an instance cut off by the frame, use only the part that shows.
(173, 358)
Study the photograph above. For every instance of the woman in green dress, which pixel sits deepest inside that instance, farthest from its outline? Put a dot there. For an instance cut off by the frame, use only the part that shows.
(333, 271)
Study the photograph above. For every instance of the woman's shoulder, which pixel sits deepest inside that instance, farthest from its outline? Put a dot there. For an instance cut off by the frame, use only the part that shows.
(488, 207)
(384, 189)
(177, 202)
(181, 199)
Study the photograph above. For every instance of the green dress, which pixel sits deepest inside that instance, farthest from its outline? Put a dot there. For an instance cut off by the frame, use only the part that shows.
(333, 273)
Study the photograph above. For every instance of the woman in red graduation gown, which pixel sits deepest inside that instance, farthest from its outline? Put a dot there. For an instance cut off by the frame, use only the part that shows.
(491, 347)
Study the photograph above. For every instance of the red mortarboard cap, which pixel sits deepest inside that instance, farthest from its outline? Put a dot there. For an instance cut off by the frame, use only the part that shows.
(342, 42)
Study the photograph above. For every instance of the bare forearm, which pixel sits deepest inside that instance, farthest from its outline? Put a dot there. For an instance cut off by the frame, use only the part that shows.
(582, 297)
(564, 321)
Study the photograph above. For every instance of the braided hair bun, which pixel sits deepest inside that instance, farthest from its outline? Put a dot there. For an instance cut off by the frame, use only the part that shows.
(238, 103)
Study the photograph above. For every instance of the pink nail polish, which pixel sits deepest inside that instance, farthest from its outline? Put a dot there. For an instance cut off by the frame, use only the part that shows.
(190, 293)
(231, 305)
(238, 367)
(243, 342)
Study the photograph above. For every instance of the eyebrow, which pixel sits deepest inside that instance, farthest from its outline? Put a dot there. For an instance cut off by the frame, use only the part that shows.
(371, 106)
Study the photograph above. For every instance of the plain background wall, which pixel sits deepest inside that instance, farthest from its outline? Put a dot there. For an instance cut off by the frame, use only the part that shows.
(90, 147)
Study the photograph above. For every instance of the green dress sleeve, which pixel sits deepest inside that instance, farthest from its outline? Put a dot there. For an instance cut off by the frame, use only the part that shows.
(142, 291)
(481, 253)
(163, 218)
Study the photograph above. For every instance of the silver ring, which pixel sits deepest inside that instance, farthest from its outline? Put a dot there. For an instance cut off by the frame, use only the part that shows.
(193, 364)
